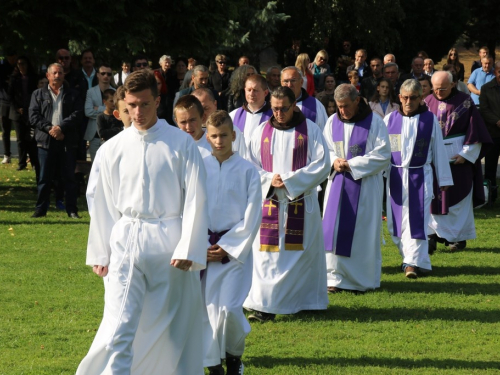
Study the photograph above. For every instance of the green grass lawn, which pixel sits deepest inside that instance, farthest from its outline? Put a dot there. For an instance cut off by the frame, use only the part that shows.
(445, 323)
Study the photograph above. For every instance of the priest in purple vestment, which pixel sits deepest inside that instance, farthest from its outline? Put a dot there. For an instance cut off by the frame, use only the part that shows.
(416, 150)
(465, 136)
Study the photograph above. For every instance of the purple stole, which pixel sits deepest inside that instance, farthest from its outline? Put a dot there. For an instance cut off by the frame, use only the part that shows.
(269, 228)
(345, 191)
(240, 118)
(309, 108)
(416, 180)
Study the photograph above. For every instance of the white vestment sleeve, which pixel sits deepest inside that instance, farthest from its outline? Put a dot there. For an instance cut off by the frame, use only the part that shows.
(192, 245)
(104, 216)
(471, 152)
(253, 155)
(321, 115)
(378, 158)
(440, 157)
(92, 181)
(239, 143)
(238, 241)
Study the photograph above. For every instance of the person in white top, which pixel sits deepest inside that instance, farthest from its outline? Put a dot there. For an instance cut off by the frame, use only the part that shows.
(190, 117)
(147, 234)
(120, 77)
(234, 208)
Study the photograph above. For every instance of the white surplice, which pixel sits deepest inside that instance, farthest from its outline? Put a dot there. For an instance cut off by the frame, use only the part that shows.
(149, 208)
(321, 116)
(286, 282)
(238, 144)
(415, 252)
(252, 122)
(362, 270)
(458, 225)
(234, 204)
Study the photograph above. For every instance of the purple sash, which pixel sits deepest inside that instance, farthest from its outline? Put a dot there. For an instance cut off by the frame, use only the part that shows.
(416, 179)
(240, 118)
(345, 191)
(309, 108)
(213, 239)
(269, 228)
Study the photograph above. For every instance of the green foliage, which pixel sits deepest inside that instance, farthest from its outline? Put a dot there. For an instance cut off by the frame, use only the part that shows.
(482, 27)
(446, 323)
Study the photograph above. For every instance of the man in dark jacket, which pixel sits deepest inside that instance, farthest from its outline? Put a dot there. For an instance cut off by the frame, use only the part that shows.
(56, 111)
(489, 101)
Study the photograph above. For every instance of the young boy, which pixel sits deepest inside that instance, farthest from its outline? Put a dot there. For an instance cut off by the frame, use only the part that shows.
(120, 113)
(354, 79)
(107, 125)
(234, 206)
(190, 117)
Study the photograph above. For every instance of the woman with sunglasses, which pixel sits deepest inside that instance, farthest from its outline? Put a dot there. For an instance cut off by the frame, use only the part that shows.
(319, 69)
(454, 60)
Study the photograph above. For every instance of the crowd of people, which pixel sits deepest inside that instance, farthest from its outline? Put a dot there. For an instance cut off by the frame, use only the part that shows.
(214, 190)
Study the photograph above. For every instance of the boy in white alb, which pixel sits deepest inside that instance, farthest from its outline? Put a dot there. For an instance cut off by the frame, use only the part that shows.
(234, 192)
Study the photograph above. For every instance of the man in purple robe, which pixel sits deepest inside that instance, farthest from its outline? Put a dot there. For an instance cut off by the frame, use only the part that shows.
(464, 133)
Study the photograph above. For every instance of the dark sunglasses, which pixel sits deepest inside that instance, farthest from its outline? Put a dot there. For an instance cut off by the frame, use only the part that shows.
(138, 65)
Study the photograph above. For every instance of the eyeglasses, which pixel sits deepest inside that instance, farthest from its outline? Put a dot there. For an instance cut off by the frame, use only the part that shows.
(446, 89)
(106, 74)
(138, 65)
(406, 98)
(221, 62)
(282, 109)
(64, 57)
(291, 81)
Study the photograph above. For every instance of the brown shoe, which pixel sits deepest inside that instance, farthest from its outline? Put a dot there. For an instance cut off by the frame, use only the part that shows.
(410, 272)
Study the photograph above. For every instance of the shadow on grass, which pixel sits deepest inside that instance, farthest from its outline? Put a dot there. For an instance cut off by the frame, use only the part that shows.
(438, 271)
(468, 289)
(384, 362)
(368, 314)
(46, 221)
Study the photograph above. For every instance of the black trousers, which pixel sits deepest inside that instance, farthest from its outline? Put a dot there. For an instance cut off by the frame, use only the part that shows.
(491, 164)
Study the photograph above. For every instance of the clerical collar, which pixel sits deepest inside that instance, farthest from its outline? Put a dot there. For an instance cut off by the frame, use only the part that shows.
(264, 108)
(303, 95)
(421, 109)
(297, 119)
(364, 111)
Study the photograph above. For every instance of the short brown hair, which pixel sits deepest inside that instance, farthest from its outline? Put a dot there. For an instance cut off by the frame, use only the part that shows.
(219, 118)
(257, 78)
(109, 93)
(187, 102)
(353, 73)
(141, 80)
(119, 95)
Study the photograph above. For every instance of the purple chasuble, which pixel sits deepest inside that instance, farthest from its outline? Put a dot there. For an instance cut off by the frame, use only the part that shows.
(344, 192)
(269, 229)
(240, 118)
(309, 108)
(458, 115)
(416, 178)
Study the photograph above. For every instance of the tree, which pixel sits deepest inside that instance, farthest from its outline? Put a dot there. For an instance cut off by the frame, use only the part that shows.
(482, 27)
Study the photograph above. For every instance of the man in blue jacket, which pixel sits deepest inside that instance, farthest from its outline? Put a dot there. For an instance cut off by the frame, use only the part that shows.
(56, 111)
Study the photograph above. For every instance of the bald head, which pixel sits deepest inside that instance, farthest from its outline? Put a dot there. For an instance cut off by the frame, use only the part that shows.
(442, 83)
(389, 58)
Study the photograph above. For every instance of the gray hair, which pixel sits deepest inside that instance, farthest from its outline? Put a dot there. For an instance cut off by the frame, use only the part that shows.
(411, 86)
(270, 69)
(390, 54)
(344, 91)
(497, 64)
(163, 58)
(292, 68)
(199, 68)
(49, 69)
(283, 92)
(388, 65)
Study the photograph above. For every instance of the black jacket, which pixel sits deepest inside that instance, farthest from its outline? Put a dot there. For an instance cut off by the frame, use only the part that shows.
(40, 115)
(18, 98)
(490, 106)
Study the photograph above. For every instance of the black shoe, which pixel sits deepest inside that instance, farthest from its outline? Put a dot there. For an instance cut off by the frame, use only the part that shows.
(216, 370)
(460, 245)
(20, 168)
(74, 215)
(38, 214)
(261, 316)
(432, 243)
(335, 290)
(234, 365)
